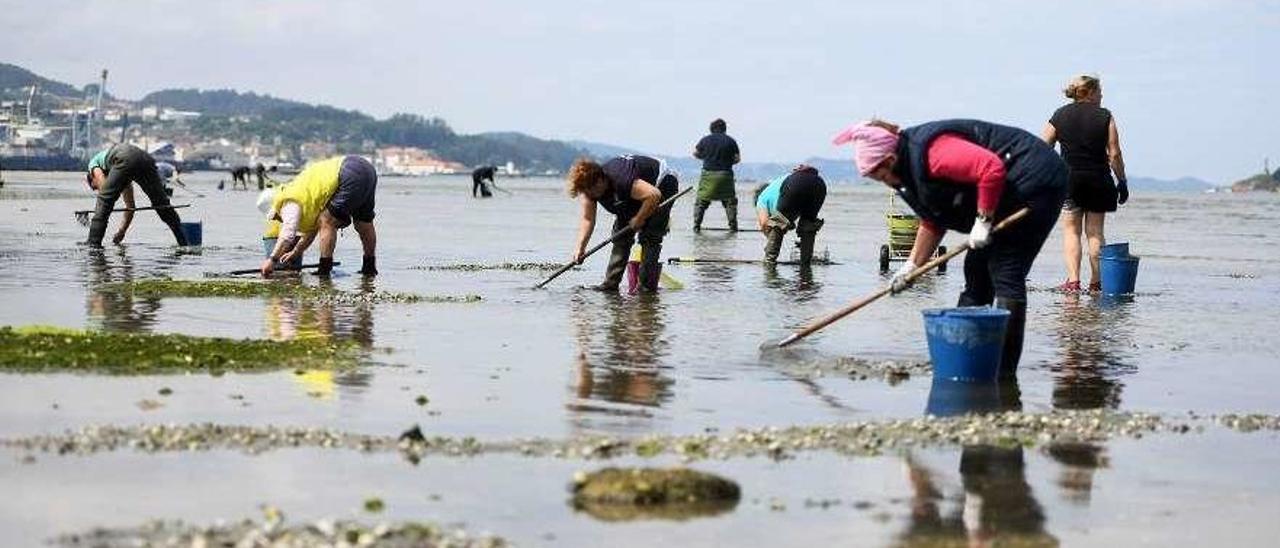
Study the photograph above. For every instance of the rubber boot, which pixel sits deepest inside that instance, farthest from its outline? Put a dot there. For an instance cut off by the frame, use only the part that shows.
(98, 226)
(773, 245)
(699, 210)
(807, 232)
(1012, 352)
(617, 267)
(170, 218)
(731, 213)
(650, 266)
(326, 267)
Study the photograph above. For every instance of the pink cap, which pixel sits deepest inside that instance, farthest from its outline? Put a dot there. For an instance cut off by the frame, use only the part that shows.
(872, 144)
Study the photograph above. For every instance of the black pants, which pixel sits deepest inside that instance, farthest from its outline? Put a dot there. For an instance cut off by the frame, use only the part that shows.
(1000, 269)
(128, 164)
(478, 184)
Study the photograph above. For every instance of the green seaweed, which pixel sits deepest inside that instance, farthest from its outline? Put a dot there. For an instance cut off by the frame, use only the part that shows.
(166, 287)
(650, 486)
(41, 349)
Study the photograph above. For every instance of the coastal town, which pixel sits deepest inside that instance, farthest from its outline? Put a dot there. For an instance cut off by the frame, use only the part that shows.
(58, 127)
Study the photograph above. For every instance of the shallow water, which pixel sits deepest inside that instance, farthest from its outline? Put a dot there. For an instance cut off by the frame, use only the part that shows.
(565, 361)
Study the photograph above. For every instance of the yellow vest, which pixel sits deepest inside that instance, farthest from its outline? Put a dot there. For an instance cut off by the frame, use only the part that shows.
(311, 190)
(273, 229)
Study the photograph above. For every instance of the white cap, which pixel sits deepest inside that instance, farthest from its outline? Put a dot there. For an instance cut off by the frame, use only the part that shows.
(265, 200)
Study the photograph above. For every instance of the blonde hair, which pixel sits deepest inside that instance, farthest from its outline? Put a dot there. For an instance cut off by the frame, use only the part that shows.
(584, 173)
(1082, 86)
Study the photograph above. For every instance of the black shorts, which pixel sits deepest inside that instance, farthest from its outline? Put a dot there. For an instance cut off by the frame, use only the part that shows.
(357, 182)
(1092, 191)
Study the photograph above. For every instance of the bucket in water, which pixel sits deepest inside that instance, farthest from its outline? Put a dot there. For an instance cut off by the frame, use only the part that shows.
(1119, 275)
(949, 398)
(1115, 250)
(965, 343)
(194, 233)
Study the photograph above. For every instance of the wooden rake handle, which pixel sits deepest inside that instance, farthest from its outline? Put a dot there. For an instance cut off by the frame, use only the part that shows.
(623, 232)
(922, 270)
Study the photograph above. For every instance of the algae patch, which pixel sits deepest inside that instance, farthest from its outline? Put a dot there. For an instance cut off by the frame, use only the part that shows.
(165, 287)
(472, 267)
(40, 349)
(617, 494)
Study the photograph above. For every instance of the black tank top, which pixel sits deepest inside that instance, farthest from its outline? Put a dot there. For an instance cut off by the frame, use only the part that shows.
(1082, 132)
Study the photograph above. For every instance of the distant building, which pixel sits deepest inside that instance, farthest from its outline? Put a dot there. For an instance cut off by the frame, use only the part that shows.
(413, 161)
(316, 150)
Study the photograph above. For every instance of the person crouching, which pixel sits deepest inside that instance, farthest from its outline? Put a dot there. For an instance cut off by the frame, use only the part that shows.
(791, 201)
(631, 188)
(962, 175)
(326, 196)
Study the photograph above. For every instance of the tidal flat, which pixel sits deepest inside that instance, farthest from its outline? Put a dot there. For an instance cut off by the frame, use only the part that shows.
(1131, 422)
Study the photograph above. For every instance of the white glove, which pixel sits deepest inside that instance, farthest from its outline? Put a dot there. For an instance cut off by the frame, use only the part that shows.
(980, 234)
(899, 281)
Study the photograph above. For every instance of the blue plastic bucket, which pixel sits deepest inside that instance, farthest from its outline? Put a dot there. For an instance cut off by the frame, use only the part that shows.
(1119, 275)
(965, 343)
(194, 233)
(949, 398)
(1115, 250)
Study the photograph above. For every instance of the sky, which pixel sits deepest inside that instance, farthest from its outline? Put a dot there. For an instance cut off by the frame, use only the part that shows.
(1194, 84)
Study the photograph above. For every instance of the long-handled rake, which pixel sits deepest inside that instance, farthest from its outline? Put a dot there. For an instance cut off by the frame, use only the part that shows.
(82, 216)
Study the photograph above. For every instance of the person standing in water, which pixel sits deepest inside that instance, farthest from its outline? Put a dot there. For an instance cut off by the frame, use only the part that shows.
(478, 178)
(111, 174)
(326, 196)
(791, 201)
(963, 175)
(630, 187)
(718, 152)
(1090, 145)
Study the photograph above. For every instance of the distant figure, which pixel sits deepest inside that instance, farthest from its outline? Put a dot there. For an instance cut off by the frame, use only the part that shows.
(240, 174)
(478, 178)
(326, 196)
(1090, 145)
(791, 201)
(964, 175)
(111, 173)
(261, 171)
(718, 152)
(630, 187)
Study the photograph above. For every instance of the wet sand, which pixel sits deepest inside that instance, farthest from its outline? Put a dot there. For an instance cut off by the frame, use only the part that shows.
(563, 363)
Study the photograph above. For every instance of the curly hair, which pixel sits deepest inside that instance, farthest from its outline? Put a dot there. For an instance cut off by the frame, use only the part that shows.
(584, 173)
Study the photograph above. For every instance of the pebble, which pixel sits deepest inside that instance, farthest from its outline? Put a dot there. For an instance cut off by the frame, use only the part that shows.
(850, 439)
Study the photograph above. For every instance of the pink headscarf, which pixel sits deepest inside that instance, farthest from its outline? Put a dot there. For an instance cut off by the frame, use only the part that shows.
(872, 144)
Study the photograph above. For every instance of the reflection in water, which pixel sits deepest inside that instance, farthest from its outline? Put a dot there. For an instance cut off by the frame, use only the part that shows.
(1091, 338)
(996, 505)
(711, 245)
(1080, 461)
(619, 355)
(289, 318)
(116, 310)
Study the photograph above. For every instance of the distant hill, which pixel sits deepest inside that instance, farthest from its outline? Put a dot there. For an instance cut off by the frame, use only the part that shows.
(222, 102)
(15, 82)
(1257, 183)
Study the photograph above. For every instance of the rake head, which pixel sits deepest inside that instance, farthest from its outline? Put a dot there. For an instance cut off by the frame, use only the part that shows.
(82, 217)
